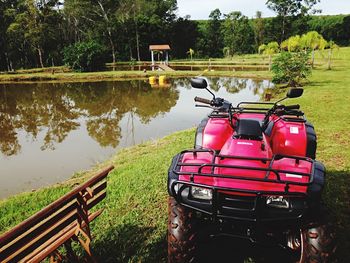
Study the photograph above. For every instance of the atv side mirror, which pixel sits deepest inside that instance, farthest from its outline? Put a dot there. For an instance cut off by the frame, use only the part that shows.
(199, 83)
(295, 93)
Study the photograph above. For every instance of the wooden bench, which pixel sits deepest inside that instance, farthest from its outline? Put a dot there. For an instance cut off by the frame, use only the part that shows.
(52, 230)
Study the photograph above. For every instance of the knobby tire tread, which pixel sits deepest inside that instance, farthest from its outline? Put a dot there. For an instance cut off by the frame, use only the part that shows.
(182, 234)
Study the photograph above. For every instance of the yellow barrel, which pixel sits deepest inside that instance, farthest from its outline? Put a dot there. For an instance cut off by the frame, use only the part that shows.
(153, 80)
(162, 80)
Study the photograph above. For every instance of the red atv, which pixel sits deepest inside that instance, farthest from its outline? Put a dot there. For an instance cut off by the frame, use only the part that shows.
(252, 175)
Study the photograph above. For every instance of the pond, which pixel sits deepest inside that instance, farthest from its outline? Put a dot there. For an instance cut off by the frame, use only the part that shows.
(48, 131)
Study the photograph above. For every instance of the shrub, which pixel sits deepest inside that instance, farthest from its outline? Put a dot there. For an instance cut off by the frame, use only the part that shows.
(291, 68)
(85, 56)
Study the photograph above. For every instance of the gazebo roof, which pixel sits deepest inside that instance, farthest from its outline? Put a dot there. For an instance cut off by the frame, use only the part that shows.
(159, 47)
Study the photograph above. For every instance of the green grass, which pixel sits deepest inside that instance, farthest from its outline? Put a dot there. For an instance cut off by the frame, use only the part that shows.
(133, 225)
(326, 104)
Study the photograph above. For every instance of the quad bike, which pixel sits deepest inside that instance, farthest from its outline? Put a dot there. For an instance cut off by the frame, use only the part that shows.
(252, 174)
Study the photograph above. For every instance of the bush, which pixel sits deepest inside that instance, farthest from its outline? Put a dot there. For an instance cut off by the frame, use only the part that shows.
(291, 68)
(85, 56)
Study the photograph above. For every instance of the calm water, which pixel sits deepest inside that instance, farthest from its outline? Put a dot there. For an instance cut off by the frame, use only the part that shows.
(48, 131)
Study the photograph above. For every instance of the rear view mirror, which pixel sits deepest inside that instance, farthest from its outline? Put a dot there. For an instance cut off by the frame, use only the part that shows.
(199, 83)
(295, 93)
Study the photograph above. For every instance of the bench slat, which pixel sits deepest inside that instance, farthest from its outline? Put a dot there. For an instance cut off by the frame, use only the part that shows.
(44, 232)
(96, 199)
(62, 212)
(17, 230)
(17, 255)
(44, 251)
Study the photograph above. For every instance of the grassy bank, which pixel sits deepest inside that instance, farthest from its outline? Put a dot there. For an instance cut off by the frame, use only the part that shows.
(121, 75)
(133, 226)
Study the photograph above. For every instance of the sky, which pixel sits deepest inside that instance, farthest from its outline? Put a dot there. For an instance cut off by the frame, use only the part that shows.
(200, 9)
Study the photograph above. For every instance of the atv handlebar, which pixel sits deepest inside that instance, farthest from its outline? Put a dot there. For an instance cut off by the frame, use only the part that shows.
(292, 107)
(202, 100)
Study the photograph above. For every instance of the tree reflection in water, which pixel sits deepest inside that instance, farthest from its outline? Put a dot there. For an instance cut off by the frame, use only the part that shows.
(231, 85)
(58, 109)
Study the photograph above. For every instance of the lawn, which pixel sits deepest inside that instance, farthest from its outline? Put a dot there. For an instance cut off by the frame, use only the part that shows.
(133, 225)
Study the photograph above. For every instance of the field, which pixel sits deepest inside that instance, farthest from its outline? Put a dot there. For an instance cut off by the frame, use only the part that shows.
(133, 225)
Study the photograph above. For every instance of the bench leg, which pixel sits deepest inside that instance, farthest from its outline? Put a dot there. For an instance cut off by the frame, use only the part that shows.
(85, 243)
(56, 257)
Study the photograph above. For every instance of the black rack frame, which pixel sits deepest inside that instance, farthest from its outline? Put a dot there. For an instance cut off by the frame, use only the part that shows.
(196, 204)
(254, 110)
(239, 109)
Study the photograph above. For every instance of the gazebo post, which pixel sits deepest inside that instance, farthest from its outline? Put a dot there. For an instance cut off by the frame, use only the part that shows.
(152, 55)
(167, 58)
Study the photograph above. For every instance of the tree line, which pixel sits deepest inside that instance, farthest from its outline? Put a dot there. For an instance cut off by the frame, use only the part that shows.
(41, 33)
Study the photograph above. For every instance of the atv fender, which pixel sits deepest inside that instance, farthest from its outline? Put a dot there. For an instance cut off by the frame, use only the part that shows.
(311, 141)
(315, 189)
(171, 175)
(198, 142)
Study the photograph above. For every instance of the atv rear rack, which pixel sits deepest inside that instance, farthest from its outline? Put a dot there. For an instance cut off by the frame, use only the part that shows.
(249, 201)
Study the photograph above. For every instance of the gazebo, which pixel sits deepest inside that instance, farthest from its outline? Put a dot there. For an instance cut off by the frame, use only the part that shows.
(160, 48)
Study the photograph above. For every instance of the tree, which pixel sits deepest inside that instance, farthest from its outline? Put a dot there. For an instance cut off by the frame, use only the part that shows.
(85, 56)
(183, 37)
(313, 41)
(191, 53)
(132, 10)
(227, 52)
(290, 8)
(238, 33)
(7, 12)
(107, 10)
(332, 46)
(292, 44)
(269, 49)
(291, 68)
(33, 33)
(213, 36)
(259, 29)
(78, 20)
(146, 22)
(29, 22)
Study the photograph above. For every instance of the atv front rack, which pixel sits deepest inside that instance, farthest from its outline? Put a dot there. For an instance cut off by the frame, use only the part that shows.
(240, 109)
(255, 108)
(238, 203)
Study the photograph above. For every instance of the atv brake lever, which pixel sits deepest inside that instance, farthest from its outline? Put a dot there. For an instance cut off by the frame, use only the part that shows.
(203, 106)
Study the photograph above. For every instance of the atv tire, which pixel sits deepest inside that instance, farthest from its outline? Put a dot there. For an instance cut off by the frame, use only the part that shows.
(318, 243)
(182, 233)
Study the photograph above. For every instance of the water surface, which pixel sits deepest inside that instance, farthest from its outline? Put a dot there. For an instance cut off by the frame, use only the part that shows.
(48, 131)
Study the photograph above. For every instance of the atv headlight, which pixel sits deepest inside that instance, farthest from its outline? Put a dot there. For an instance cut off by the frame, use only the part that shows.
(201, 193)
(277, 202)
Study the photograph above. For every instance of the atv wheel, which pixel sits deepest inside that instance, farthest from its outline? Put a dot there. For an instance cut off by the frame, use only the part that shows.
(315, 243)
(182, 233)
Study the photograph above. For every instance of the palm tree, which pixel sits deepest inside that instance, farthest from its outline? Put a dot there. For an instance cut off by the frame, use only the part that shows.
(292, 44)
(313, 41)
(227, 52)
(191, 53)
(269, 49)
(332, 45)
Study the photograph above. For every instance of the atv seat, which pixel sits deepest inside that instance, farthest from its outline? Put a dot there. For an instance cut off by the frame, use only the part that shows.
(248, 129)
